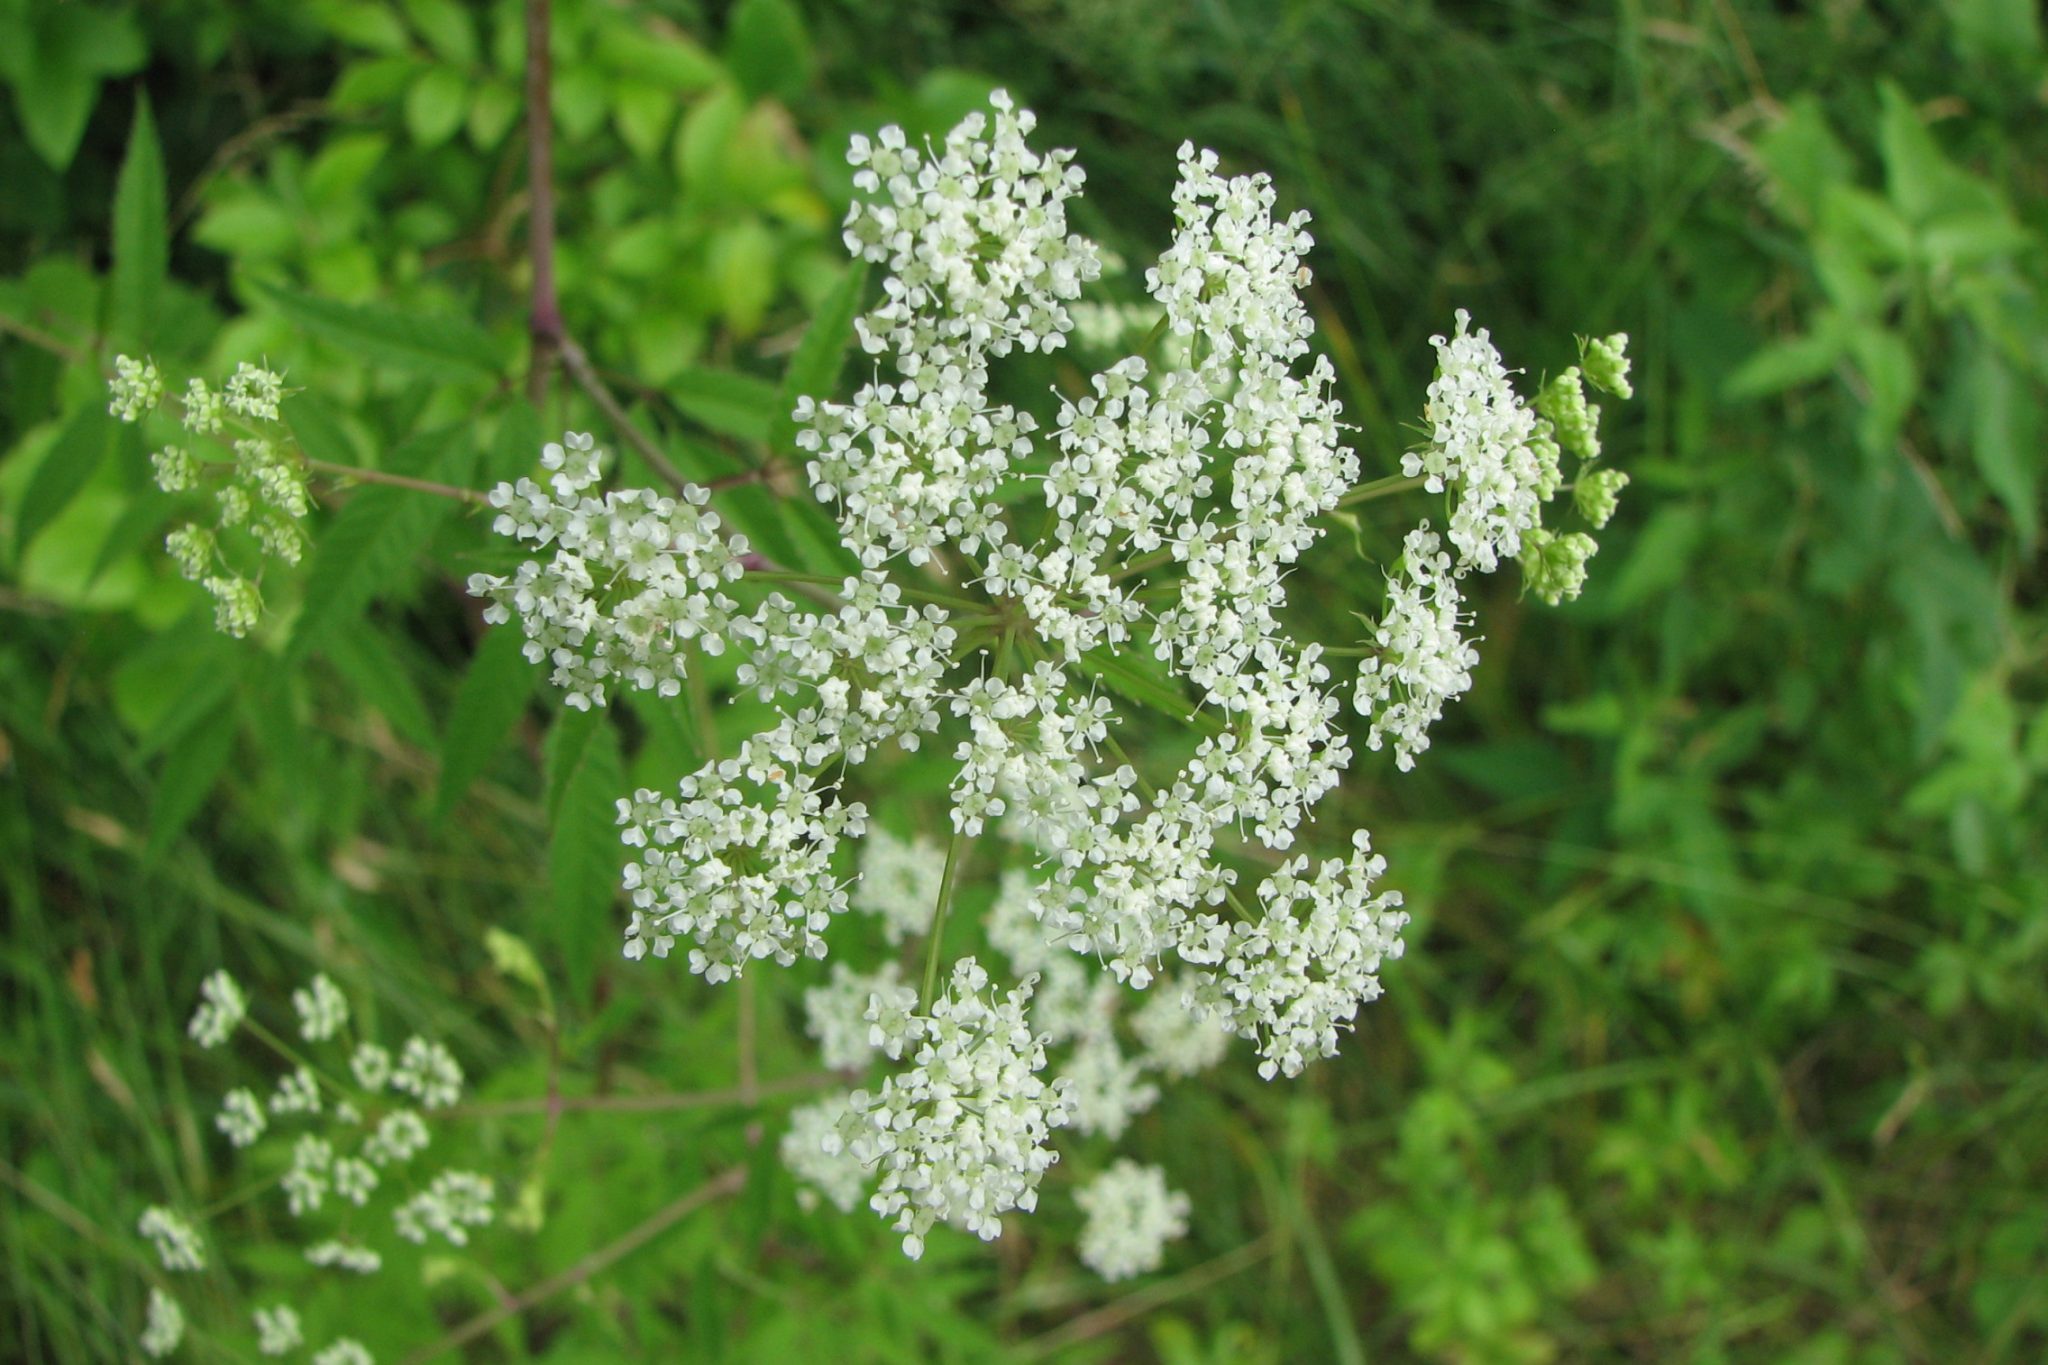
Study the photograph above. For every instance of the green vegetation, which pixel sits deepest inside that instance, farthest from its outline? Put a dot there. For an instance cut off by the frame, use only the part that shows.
(1719, 1034)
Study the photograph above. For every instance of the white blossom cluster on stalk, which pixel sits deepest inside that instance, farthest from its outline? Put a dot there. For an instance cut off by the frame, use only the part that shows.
(1022, 576)
(342, 1128)
(1130, 1217)
(261, 497)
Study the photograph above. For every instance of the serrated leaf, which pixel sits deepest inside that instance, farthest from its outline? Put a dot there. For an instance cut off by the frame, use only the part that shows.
(365, 659)
(191, 768)
(141, 235)
(736, 405)
(73, 456)
(424, 344)
(492, 696)
(373, 539)
(814, 368)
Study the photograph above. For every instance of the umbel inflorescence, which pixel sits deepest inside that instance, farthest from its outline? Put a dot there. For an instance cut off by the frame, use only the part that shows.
(1012, 562)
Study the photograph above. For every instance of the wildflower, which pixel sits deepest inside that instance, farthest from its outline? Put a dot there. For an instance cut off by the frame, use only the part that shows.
(1554, 566)
(297, 1093)
(1131, 1216)
(371, 1066)
(455, 1202)
(401, 1135)
(322, 1009)
(1597, 493)
(1481, 442)
(177, 1242)
(1422, 659)
(136, 387)
(253, 391)
(241, 1117)
(1177, 1041)
(204, 408)
(222, 1007)
(428, 1071)
(165, 1326)
(306, 1183)
(837, 1014)
(961, 1135)
(350, 1256)
(813, 1152)
(899, 882)
(174, 469)
(354, 1179)
(1107, 1089)
(277, 1330)
(1563, 403)
(1606, 364)
(237, 605)
(191, 549)
(344, 1351)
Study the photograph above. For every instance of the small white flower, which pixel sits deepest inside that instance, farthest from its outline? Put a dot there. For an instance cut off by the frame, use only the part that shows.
(371, 1066)
(428, 1071)
(455, 1202)
(1131, 1217)
(222, 1007)
(400, 1135)
(165, 1326)
(344, 1351)
(350, 1256)
(306, 1183)
(177, 1242)
(254, 391)
(815, 1153)
(241, 1117)
(277, 1330)
(136, 387)
(297, 1093)
(322, 1009)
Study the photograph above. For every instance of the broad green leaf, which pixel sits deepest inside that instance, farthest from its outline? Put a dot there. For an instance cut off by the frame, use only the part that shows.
(1782, 365)
(642, 112)
(435, 105)
(1803, 157)
(1660, 556)
(447, 27)
(586, 780)
(141, 235)
(69, 463)
(766, 48)
(661, 58)
(492, 696)
(1886, 363)
(71, 47)
(371, 542)
(814, 368)
(366, 23)
(730, 404)
(581, 97)
(492, 111)
(1920, 178)
(2005, 439)
(742, 261)
(704, 144)
(418, 343)
(191, 769)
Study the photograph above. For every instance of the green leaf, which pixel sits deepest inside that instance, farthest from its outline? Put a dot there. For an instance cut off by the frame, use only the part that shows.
(57, 82)
(363, 657)
(586, 778)
(2005, 439)
(1888, 367)
(435, 105)
(642, 112)
(424, 344)
(767, 49)
(141, 235)
(192, 767)
(730, 404)
(1920, 178)
(742, 272)
(492, 696)
(1134, 677)
(1803, 158)
(446, 26)
(367, 547)
(73, 456)
(491, 113)
(1782, 365)
(1660, 556)
(814, 368)
(663, 59)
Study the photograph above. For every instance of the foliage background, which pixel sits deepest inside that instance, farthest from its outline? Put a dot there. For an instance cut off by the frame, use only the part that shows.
(1719, 1036)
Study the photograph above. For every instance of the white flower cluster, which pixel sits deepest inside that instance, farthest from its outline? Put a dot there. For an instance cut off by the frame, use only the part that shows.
(164, 1327)
(961, 1135)
(632, 581)
(1137, 544)
(346, 1147)
(263, 492)
(1131, 1216)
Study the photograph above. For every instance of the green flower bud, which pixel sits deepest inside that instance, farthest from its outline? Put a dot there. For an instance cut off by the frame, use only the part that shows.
(1606, 362)
(1577, 422)
(1554, 566)
(174, 468)
(1549, 458)
(1596, 492)
(237, 605)
(191, 549)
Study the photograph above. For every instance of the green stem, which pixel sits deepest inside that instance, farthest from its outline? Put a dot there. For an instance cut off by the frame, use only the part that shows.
(938, 930)
(1380, 488)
